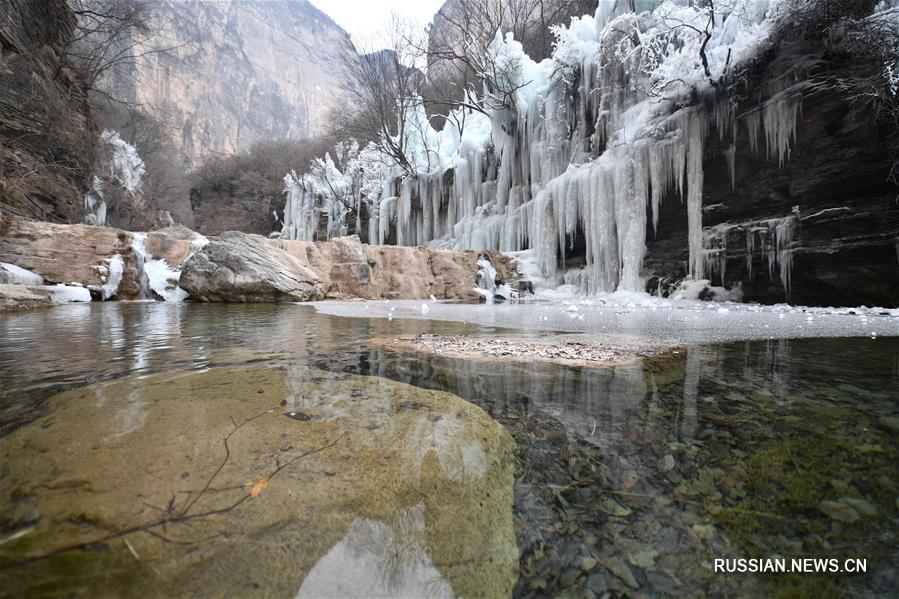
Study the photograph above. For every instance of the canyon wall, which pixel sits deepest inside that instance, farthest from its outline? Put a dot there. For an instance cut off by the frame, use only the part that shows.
(227, 74)
(47, 139)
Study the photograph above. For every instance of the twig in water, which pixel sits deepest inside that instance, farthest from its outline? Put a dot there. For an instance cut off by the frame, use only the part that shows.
(173, 516)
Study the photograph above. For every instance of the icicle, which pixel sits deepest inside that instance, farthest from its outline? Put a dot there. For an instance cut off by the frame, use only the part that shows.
(779, 118)
(695, 135)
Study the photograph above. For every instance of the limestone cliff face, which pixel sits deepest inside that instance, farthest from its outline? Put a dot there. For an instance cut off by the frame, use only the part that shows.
(236, 72)
(47, 139)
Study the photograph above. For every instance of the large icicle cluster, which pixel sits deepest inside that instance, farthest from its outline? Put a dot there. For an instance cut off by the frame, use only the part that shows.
(770, 240)
(333, 191)
(599, 134)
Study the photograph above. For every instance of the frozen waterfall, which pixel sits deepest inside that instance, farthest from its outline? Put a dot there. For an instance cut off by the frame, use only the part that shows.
(614, 123)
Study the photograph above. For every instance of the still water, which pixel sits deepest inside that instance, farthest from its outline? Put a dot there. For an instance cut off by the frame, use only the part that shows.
(356, 468)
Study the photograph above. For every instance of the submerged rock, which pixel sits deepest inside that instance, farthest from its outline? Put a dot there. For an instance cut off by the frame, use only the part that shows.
(432, 518)
(238, 267)
(839, 511)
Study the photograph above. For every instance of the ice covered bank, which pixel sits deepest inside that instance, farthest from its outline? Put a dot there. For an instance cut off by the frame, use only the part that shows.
(83, 263)
(661, 140)
(63, 263)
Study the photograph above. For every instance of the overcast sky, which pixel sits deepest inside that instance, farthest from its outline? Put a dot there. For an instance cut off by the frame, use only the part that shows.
(365, 19)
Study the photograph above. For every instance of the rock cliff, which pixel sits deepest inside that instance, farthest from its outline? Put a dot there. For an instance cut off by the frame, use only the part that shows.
(47, 138)
(233, 73)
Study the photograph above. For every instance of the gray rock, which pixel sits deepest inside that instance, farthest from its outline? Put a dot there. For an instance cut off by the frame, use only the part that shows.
(238, 267)
(620, 570)
(668, 463)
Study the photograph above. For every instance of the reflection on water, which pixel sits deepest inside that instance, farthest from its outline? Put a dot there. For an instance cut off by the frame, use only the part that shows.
(628, 479)
(374, 560)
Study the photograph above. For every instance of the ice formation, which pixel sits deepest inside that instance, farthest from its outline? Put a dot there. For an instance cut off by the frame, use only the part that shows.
(770, 240)
(111, 276)
(64, 294)
(155, 275)
(125, 167)
(95, 205)
(598, 135)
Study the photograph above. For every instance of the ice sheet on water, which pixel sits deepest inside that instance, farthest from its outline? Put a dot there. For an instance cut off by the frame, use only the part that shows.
(646, 319)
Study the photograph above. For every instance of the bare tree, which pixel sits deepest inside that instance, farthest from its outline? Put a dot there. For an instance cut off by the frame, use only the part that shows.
(110, 38)
(459, 63)
(384, 89)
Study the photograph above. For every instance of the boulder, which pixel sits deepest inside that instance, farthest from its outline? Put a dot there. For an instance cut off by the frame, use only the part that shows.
(348, 268)
(173, 244)
(80, 254)
(454, 274)
(20, 297)
(239, 267)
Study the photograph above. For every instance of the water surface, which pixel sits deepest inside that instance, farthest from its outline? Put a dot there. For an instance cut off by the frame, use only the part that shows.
(626, 480)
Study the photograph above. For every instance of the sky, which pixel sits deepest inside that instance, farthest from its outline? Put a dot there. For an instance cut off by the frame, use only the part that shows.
(364, 20)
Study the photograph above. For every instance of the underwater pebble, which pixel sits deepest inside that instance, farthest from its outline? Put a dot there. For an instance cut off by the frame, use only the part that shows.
(32, 516)
(703, 532)
(668, 462)
(613, 508)
(838, 511)
(860, 505)
(588, 564)
(621, 571)
(298, 416)
(286, 447)
(569, 577)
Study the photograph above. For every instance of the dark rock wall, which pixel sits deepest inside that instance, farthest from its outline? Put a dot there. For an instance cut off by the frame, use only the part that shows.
(845, 248)
(47, 139)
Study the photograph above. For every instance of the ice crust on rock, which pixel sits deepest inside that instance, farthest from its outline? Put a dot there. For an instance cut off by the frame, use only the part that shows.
(156, 275)
(19, 276)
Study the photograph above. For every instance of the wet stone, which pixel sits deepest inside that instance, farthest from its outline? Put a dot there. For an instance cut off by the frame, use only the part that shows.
(668, 463)
(839, 511)
(302, 416)
(286, 447)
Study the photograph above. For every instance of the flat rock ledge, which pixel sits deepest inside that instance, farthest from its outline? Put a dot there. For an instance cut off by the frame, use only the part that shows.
(21, 297)
(565, 350)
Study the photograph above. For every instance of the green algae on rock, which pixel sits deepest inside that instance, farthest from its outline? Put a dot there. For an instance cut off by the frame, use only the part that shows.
(414, 495)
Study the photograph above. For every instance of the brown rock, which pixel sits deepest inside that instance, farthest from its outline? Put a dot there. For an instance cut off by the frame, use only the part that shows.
(20, 297)
(172, 244)
(69, 253)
